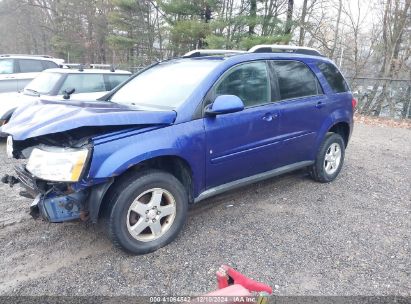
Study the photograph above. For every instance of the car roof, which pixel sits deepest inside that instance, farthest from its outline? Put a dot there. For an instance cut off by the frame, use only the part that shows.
(87, 71)
(33, 57)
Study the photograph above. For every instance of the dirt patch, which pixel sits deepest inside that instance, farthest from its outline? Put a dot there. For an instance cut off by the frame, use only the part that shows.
(383, 122)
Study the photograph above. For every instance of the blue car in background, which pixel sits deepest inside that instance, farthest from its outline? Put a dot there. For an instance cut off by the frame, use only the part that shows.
(178, 132)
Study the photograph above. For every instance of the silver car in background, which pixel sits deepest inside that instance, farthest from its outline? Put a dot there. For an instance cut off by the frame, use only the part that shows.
(16, 71)
(52, 84)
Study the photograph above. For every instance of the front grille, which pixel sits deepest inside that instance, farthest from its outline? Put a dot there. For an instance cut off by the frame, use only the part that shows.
(26, 180)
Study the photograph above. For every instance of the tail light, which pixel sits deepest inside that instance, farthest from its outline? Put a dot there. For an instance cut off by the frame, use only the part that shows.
(354, 103)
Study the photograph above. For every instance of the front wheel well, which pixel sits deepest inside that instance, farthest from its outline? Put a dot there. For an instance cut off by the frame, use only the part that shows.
(343, 129)
(176, 166)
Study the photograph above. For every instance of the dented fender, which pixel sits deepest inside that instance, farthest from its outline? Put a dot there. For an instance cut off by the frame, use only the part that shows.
(113, 155)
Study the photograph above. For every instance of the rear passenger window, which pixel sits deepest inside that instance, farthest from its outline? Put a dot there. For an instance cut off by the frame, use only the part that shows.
(248, 81)
(50, 64)
(115, 80)
(295, 79)
(30, 66)
(334, 77)
(84, 83)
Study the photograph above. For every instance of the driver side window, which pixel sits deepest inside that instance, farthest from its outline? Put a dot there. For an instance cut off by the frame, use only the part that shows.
(249, 81)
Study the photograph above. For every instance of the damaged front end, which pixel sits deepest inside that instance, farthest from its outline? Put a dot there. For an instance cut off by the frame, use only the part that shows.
(55, 142)
(52, 173)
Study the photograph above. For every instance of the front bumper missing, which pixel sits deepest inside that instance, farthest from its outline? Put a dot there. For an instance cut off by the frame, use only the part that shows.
(58, 204)
(52, 205)
(27, 181)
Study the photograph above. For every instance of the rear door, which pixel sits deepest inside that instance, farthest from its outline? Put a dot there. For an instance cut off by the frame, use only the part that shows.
(28, 69)
(244, 143)
(303, 106)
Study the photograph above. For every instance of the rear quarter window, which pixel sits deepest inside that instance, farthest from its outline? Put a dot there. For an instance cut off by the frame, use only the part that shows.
(334, 77)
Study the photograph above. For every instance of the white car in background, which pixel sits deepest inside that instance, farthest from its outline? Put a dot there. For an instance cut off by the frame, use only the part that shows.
(52, 84)
(16, 71)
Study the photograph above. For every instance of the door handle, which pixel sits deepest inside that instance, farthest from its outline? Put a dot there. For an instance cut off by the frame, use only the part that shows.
(270, 116)
(319, 105)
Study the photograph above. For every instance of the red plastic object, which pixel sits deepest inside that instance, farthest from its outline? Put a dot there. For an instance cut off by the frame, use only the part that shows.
(227, 276)
(231, 291)
(233, 284)
(354, 103)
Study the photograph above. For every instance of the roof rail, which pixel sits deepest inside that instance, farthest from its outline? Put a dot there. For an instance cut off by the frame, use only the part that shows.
(201, 53)
(26, 55)
(73, 65)
(276, 48)
(103, 65)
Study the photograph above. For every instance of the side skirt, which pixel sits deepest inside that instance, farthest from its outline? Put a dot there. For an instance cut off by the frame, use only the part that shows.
(251, 179)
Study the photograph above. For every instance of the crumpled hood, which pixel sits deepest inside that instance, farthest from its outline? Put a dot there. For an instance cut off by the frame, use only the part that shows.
(46, 117)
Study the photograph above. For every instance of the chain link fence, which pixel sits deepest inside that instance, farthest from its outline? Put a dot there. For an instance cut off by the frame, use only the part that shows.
(382, 97)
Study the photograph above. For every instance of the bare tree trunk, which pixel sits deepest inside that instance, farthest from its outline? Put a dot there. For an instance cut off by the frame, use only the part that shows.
(406, 105)
(379, 101)
(302, 24)
(253, 16)
(288, 22)
(337, 26)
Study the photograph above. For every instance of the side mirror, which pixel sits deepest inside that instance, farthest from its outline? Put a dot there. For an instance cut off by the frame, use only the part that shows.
(67, 92)
(225, 104)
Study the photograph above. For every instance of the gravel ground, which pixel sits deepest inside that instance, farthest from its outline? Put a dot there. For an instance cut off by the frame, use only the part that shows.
(349, 237)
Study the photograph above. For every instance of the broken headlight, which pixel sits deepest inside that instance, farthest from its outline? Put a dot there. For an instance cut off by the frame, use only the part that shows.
(57, 164)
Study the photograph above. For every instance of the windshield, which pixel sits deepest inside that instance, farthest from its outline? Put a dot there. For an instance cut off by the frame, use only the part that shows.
(166, 85)
(43, 84)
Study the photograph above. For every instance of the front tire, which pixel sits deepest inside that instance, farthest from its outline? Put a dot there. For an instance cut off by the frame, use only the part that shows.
(148, 211)
(329, 159)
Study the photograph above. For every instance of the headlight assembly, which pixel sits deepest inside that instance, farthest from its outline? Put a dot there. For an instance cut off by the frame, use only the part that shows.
(57, 164)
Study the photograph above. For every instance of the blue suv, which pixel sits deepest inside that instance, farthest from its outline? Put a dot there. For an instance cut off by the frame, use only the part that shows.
(179, 132)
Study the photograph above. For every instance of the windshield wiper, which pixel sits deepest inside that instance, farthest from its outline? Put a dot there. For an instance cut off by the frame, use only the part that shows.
(34, 92)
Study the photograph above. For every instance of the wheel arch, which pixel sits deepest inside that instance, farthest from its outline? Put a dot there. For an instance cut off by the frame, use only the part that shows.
(7, 115)
(173, 164)
(342, 128)
(339, 122)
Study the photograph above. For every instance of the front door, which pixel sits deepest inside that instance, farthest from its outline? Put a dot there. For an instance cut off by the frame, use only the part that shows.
(245, 143)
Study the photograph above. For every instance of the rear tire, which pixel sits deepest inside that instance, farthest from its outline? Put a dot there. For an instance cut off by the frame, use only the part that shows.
(148, 210)
(329, 159)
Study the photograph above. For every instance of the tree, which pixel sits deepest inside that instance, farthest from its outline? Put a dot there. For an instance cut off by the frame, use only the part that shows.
(302, 23)
(288, 22)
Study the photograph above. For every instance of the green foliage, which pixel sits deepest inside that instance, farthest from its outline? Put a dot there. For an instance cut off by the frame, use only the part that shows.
(218, 42)
(67, 48)
(188, 32)
(120, 42)
(248, 42)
